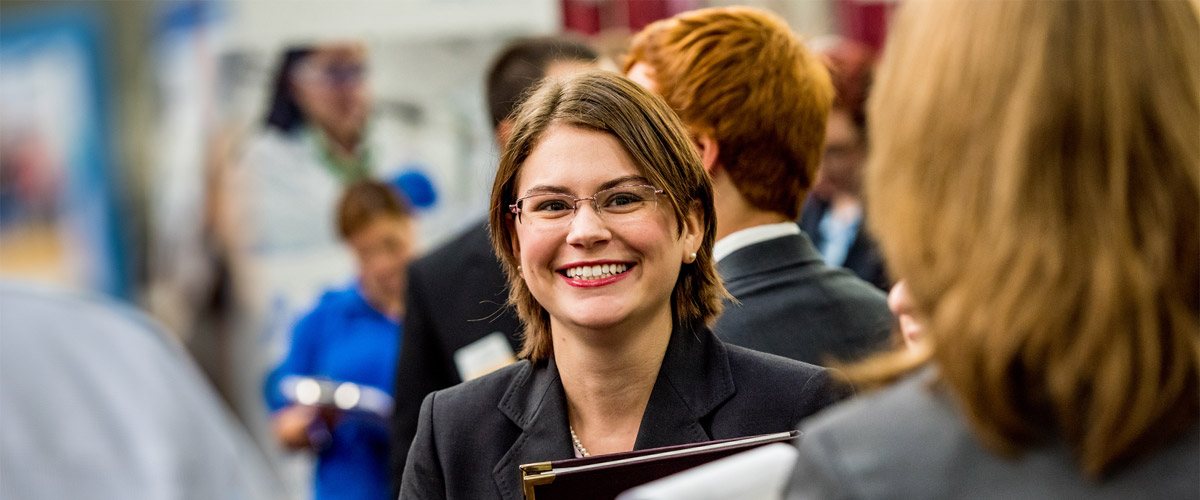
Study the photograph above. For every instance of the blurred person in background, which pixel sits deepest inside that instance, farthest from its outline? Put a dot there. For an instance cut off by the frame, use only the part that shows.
(1034, 178)
(832, 216)
(604, 220)
(278, 202)
(352, 336)
(458, 326)
(98, 401)
(755, 101)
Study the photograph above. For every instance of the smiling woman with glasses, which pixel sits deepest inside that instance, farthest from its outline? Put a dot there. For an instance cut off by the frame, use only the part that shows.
(602, 216)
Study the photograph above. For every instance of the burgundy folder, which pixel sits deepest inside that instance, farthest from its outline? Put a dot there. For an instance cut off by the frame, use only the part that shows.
(606, 476)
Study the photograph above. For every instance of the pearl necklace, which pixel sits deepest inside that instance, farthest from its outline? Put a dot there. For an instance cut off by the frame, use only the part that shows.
(575, 440)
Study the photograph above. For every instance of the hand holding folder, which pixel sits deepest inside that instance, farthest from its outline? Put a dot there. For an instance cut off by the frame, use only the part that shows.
(606, 476)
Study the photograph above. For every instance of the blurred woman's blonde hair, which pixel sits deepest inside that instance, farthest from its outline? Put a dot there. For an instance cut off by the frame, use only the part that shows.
(1034, 176)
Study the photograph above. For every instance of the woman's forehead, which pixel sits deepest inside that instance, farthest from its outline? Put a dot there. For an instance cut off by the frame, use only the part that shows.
(576, 159)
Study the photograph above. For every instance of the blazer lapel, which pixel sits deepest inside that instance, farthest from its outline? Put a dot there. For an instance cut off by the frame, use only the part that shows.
(694, 379)
(535, 402)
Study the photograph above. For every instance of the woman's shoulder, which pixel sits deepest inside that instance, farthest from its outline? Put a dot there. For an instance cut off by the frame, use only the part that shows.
(483, 392)
(913, 403)
(748, 362)
(886, 444)
(789, 389)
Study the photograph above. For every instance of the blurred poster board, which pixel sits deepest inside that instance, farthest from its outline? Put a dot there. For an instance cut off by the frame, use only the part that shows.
(58, 214)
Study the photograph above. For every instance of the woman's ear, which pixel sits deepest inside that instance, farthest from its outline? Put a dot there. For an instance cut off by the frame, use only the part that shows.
(693, 232)
(513, 242)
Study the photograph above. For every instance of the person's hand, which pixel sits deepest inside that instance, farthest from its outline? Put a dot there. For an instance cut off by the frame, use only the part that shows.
(291, 425)
(901, 305)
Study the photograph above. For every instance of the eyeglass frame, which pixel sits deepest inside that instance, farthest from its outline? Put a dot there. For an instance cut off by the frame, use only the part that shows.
(516, 209)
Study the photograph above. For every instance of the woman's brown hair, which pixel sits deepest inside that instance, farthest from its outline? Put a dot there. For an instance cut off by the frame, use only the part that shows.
(658, 143)
(1034, 176)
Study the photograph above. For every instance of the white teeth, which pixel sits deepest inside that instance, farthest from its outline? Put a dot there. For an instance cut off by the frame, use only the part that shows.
(596, 272)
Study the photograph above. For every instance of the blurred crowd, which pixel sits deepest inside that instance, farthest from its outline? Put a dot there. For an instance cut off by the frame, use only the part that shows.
(962, 261)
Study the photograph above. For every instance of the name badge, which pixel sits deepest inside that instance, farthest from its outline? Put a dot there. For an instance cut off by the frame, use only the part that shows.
(484, 356)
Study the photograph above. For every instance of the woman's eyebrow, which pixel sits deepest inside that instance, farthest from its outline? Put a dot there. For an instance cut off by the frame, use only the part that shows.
(547, 189)
(627, 180)
(557, 189)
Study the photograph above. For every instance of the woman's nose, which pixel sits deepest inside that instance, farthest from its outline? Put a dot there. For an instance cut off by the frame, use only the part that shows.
(588, 226)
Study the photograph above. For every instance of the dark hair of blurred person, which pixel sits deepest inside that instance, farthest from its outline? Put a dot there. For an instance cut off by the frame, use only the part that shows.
(832, 214)
(324, 87)
(452, 332)
(755, 102)
(1035, 180)
(284, 112)
(615, 295)
(522, 64)
(351, 336)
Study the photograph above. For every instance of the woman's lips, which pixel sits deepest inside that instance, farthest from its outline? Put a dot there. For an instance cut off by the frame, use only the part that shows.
(591, 275)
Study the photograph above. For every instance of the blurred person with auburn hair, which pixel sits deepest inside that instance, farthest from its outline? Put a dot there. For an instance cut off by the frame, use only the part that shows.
(833, 212)
(351, 336)
(1035, 179)
(452, 332)
(603, 218)
(755, 102)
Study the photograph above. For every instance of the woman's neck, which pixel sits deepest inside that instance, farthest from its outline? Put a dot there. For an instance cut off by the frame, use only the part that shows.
(608, 377)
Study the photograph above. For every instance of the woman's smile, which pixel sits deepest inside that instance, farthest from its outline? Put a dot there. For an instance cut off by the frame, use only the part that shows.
(594, 274)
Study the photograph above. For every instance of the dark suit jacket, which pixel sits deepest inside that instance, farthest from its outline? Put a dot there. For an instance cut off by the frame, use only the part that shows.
(794, 305)
(863, 258)
(456, 296)
(473, 437)
(912, 441)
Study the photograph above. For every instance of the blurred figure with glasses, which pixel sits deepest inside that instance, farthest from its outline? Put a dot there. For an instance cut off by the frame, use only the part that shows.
(603, 218)
(278, 202)
(320, 136)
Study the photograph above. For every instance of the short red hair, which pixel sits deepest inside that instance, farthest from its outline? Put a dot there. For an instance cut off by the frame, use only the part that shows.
(741, 75)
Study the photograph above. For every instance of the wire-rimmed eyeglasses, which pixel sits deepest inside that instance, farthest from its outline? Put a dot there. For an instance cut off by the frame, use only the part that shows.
(613, 204)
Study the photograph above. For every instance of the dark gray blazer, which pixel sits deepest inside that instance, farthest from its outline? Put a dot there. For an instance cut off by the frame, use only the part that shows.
(472, 437)
(795, 306)
(909, 441)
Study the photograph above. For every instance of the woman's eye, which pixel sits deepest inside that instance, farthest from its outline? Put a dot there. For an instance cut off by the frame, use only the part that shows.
(621, 199)
(551, 206)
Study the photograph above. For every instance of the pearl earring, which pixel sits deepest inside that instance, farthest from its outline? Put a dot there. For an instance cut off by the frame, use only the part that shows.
(693, 258)
(518, 269)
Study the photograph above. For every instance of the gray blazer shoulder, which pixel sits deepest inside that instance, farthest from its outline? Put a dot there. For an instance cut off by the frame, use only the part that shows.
(910, 441)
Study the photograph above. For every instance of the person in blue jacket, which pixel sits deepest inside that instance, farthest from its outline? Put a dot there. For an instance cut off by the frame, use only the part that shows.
(332, 392)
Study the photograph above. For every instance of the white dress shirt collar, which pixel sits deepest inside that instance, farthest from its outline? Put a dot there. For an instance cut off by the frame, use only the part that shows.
(749, 236)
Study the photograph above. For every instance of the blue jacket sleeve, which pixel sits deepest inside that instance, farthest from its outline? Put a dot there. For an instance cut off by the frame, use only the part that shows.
(301, 358)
